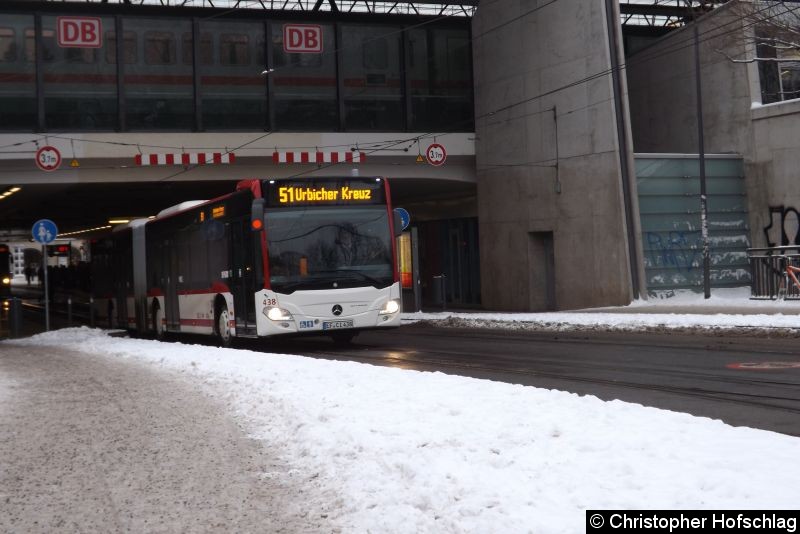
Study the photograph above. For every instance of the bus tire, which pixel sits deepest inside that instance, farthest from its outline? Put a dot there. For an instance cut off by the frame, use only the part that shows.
(222, 326)
(343, 339)
(158, 321)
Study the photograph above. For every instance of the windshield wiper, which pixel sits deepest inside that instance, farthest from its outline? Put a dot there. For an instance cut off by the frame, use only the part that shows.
(360, 274)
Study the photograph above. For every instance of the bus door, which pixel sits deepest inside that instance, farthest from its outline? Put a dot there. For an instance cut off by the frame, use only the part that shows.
(172, 313)
(243, 277)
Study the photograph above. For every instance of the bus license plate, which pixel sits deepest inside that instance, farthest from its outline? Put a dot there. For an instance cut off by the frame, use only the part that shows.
(331, 325)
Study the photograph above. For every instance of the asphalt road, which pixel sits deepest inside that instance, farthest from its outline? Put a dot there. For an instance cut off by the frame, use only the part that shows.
(752, 382)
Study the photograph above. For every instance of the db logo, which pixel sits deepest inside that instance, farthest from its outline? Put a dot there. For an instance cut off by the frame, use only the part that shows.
(80, 32)
(302, 38)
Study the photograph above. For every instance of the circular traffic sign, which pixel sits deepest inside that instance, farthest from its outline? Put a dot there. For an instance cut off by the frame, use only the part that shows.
(48, 158)
(44, 231)
(405, 217)
(436, 154)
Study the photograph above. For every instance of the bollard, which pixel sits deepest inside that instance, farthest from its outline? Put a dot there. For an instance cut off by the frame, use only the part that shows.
(15, 318)
(69, 311)
(440, 289)
(91, 312)
(444, 292)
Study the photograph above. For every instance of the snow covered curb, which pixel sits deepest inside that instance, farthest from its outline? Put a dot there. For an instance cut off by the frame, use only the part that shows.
(715, 325)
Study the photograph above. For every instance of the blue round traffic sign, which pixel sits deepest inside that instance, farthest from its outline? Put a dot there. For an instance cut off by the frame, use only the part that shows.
(405, 217)
(44, 231)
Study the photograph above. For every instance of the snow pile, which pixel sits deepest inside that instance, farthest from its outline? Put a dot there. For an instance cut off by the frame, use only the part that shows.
(389, 450)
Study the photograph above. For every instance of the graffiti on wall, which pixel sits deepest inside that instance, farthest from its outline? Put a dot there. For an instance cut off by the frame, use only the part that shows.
(675, 249)
(784, 227)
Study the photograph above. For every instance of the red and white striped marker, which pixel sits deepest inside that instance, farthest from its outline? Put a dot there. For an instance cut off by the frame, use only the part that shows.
(318, 157)
(201, 158)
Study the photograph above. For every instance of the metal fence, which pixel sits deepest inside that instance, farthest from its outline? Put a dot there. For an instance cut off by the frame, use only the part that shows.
(770, 276)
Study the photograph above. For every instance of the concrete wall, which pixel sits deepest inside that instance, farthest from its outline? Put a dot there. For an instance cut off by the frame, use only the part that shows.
(772, 167)
(663, 114)
(543, 59)
(661, 85)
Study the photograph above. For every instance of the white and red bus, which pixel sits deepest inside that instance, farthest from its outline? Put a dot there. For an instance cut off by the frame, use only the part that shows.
(309, 255)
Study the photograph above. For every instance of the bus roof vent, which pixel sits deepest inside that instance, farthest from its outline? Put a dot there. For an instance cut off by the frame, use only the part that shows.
(179, 207)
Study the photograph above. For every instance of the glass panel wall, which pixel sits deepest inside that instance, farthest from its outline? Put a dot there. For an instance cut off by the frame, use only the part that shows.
(232, 89)
(356, 82)
(304, 83)
(440, 66)
(159, 86)
(80, 85)
(373, 96)
(17, 73)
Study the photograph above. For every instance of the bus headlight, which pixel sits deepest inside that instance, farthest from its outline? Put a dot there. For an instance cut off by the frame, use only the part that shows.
(6, 280)
(277, 314)
(391, 306)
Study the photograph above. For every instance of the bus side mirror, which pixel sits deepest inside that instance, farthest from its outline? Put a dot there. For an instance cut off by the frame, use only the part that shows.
(257, 215)
(398, 224)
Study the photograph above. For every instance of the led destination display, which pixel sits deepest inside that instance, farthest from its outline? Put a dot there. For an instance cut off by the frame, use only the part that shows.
(324, 193)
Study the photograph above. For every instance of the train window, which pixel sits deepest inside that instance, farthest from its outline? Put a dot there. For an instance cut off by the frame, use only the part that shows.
(234, 49)
(159, 48)
(8, 45)
(206, 49)
(18, 107)
(441, 79)
(129, 47)
(80, 55)
(373, 97)
(233, 98)
(375, 53)
(48, 45)
(261, 55)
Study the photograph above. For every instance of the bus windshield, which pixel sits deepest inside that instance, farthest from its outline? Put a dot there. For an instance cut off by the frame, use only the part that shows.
(326, 248)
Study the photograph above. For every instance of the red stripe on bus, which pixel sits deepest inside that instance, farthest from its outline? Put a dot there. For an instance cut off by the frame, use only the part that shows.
(217, 158)
(138, 159)
(153, 159)
(197, 322)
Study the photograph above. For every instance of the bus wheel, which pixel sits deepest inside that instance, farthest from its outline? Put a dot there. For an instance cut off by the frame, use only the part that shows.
(158, 321)
(222, 325)
(343, 339)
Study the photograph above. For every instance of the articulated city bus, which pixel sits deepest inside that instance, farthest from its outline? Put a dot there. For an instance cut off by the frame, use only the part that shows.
(5, 270)
(311, 255)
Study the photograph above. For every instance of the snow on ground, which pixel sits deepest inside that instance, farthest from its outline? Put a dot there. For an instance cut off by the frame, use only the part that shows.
(727, 311)
(410, 452)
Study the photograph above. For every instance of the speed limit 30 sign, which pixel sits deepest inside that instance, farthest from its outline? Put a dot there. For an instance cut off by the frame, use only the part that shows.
(48, 158)
(436, 154)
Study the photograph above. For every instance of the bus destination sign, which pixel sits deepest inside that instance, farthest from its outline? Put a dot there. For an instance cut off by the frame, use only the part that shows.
(324, 193)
